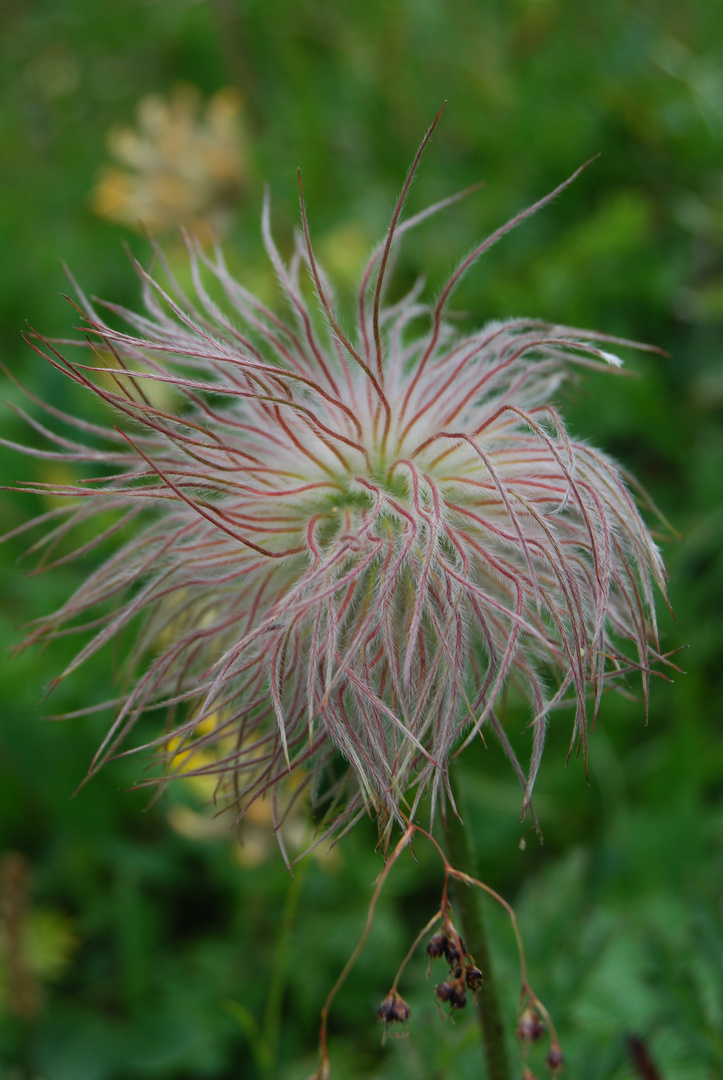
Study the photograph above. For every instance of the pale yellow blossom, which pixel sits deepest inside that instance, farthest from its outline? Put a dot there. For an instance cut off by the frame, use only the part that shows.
(181, 165)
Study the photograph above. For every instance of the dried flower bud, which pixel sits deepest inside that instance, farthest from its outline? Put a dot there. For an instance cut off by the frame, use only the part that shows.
(555, 1058)
(473, 978)
(454, 951)
(453, 992)
(437, 946)
(530, 1027)
(394, 1009)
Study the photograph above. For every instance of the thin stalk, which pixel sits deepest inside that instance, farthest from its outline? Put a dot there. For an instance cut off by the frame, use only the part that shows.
(263, 1038)
(467, 907)
(324, 1072)
(274, 1001)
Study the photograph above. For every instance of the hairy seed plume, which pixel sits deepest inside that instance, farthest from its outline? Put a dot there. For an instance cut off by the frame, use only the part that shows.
(342, 542)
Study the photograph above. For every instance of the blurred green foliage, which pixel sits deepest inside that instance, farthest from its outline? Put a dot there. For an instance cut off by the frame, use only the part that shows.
(160, 955)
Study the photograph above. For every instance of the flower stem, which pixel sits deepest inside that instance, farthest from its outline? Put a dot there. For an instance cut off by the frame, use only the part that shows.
(466, 900)
(279, 971)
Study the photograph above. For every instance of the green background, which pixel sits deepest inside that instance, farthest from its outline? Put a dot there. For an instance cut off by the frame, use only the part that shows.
(162, 957)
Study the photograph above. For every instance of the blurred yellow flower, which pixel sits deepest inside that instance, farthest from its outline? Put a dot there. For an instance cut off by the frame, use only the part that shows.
(182, 164)
(258, 837)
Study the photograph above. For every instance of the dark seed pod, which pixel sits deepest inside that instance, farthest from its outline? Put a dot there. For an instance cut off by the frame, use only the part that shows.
(394, 1009)
(454, 952)
(401, 1012)
(453, 992)
(384, 1012)
(555, 1058)
(437, 946)
(530, 1027)
(473, 978)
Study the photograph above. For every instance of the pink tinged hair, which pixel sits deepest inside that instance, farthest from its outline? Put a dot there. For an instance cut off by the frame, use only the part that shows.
(342, 541)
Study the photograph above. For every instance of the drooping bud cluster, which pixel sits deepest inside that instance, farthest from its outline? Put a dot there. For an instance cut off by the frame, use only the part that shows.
(393, 1010)
(463, 972)
(555, 1059)
(530, 1027)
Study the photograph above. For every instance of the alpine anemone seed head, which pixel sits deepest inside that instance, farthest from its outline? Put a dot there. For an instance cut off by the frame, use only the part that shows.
(345, 542)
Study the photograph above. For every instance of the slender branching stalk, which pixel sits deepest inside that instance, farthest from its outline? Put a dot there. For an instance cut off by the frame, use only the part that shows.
(459, 844)
(464, 973)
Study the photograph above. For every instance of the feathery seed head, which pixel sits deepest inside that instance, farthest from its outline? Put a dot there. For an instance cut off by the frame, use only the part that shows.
(347, 541)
